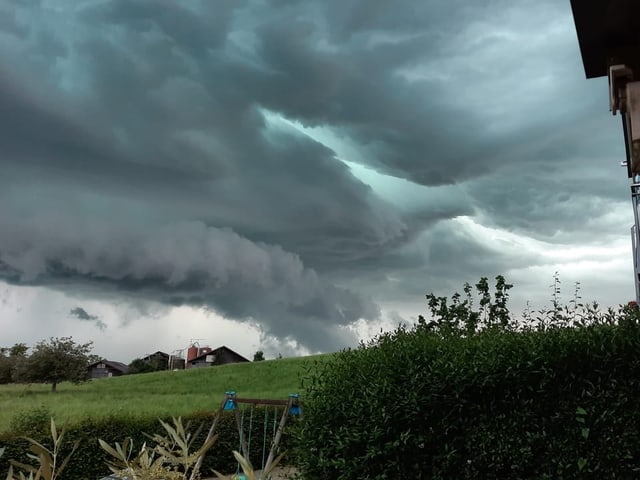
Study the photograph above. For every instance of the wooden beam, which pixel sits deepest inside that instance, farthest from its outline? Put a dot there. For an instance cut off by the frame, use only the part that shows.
(608, 33)
(261, 401)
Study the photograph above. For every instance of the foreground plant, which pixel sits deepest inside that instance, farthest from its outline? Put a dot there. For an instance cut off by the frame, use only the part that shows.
(247, 469)
(169, 459)
(49, 466)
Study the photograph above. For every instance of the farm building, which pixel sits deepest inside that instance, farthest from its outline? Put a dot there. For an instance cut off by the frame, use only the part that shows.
(207, 357)
(157, 357)
(163, 361)
(106, 368)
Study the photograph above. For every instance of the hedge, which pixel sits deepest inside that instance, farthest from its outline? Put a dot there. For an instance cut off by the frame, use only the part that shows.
(88, 461)
(552, 403)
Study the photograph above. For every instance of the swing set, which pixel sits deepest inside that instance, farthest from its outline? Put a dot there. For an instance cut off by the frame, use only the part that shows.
(239, 406)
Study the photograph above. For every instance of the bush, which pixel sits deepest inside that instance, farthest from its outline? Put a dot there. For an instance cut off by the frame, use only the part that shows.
(32, 422)
(475, 395)
(139, 365)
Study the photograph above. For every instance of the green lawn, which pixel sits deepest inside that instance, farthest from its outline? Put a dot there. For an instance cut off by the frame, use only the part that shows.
(160, 393)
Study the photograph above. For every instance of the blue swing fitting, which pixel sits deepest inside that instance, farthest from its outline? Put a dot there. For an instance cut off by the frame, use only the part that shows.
(230, 403)
(295, 404)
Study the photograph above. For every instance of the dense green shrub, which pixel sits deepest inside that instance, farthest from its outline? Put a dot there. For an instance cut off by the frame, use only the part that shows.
(88, 461)
(138, 365)
(32, 422)
(473, 394)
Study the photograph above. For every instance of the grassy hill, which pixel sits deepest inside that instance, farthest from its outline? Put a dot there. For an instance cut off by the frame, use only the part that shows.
(159, 393)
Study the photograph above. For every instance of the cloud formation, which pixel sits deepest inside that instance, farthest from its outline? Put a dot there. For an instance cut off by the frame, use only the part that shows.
(187, 263)
(295, 164)
(81, 314)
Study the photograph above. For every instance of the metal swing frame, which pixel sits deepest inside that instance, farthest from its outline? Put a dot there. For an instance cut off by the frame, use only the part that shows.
(230, 402)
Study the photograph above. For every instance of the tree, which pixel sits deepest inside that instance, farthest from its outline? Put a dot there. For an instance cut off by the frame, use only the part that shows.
(258, 356)
(9, 358)
(138, 365)
(18, 350)
(153, 364)
(157, 364)
(93, 358)
(6, 367)
(57, 360)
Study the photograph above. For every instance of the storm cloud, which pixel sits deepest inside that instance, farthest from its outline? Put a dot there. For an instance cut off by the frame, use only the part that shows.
(187, 263)
(298, 165)
(82, 315)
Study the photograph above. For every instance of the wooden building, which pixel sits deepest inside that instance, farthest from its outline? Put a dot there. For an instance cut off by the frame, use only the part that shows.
(106, 368)
(220, 356)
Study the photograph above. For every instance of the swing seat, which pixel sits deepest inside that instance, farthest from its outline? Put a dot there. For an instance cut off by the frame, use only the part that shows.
(230, 403)
(295, 404)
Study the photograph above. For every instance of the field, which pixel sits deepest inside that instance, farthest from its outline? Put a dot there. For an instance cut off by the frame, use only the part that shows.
(161, 393)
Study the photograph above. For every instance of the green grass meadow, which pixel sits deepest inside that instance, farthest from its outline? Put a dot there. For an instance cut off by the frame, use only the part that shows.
(160, 393)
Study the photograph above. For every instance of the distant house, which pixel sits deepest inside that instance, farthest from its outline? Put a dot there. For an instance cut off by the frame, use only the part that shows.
(158, 360)
(159, 357)
(106, 368)
(219, 356)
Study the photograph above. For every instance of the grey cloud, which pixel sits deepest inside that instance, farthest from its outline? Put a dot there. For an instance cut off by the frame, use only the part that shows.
(433, 130)
(356, 88)
(142, 162)
(81, 314)
(181, 22)
(397, 319)
(189, 263)
(147, 171)
(440, 260)
(10, 24)
(558, 203)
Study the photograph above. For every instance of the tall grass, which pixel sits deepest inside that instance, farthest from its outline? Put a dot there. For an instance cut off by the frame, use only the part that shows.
(155, 394)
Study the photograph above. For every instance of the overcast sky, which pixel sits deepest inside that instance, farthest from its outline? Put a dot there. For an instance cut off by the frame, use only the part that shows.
(293, 175)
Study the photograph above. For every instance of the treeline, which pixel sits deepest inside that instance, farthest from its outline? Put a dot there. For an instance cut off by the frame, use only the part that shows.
(56, 360)
(50, 361)
(9, 358)
(62, 359)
